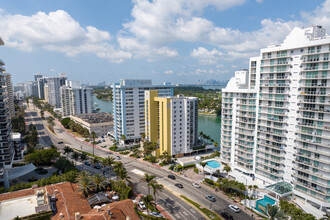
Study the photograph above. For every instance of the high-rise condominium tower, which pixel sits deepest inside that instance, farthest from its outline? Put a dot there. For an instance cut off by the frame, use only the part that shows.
(128, 106)
(76, 100)
(172, 122)
(276, 116)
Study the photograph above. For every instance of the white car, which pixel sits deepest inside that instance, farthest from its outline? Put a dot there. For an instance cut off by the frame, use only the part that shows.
(196, 185)
(234, 208)
(117, 157)
(142, 205)
(156, 214)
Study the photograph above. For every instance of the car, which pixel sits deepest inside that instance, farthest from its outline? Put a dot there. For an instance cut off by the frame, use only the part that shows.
(156, 214)
(234, 208)
(196, 185)
(117, 157)
(99, 142)
(103, 140)
(179, 185)
(227, 216)
(211, 198)
(102, 137)
(97, 166)
(87, 163)
(171, 177)
(142, 205)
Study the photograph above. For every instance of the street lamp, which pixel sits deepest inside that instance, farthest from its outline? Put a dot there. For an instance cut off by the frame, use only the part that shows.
(245, 191)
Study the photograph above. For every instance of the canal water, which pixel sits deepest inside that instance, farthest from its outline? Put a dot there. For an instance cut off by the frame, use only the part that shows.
(208, 124)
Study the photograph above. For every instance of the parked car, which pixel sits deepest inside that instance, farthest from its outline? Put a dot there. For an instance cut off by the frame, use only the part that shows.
(171, 177)
(102, 137)
(179, 185)
(156, 214)
(234, 208)
(117, 157)
(97, 166)
(227, 216)
(87, 163)
(196, 185)
(211, 198)
(142, 205)
(103, 140)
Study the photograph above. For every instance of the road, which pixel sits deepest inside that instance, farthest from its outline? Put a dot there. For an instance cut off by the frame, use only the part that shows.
(178, 208)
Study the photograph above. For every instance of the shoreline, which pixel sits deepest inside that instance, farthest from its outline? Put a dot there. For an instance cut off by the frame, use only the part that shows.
(204, 113)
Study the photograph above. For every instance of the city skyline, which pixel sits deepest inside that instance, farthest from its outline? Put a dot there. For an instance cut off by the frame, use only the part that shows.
(180, 41)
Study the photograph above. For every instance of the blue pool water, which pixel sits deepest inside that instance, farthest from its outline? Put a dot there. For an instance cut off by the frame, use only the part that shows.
(213, 164)
(261, 204)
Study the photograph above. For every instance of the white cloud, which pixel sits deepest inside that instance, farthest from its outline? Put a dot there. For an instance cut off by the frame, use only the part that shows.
(206, 57)
(169, 72)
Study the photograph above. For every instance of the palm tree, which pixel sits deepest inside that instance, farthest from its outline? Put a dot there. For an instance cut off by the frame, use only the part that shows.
(227, 168)
(98, 182)
(274, 212)
(217, 172)
(75, 156)
(156, 187)
(325, 217)
(148, 179)
(84, 182)
(93, 137)
(250, 187)
(215, 144)
(143, 136)
(51, 124)
(147, 201)
(123, 176)
(42, 113)
(67, 150)
(255, 187)
(123, 137)
(109, 161)
(203, 164)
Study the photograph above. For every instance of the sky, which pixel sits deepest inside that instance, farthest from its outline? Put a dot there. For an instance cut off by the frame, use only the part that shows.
(178, 41)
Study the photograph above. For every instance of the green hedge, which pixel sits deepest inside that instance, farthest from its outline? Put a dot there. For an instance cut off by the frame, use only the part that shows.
(196, 170)
(209, 181)
(47, 215)
(179, 168)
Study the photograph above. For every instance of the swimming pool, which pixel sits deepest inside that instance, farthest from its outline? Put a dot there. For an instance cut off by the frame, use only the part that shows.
(213, 164)
(261, 204)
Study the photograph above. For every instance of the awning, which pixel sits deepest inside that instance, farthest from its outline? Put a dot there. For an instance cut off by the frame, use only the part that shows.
(281, 188)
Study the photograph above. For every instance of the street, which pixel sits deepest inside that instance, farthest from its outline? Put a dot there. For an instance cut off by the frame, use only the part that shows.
(168, 198)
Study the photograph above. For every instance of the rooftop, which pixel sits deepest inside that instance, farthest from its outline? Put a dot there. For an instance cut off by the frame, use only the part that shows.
(94, 118)
(281, 188)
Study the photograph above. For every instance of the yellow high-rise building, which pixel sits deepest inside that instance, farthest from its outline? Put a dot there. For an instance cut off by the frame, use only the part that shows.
(171, 122)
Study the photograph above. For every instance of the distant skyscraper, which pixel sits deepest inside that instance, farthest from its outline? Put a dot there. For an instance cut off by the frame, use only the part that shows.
(172, 122)
(37, 76)
(53, 85)
(276, 117)
(128, 106)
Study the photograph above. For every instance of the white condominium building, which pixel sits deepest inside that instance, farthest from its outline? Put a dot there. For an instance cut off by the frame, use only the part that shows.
(52, 90)
(276, 119)
(128, 106)
(76, 100)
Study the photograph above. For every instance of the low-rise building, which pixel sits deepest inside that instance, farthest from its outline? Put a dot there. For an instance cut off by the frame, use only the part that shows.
(100, 123)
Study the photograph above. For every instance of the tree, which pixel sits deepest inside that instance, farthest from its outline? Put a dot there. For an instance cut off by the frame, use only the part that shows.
(27, 101)
(65, 122)
(42, 157)
(123, 137)
(123, 176)
(75, 156)
(148, 179)
(84, 182)
(255, 187)
(98, 182)
(166, 157)
(83, 156)
(143, 136)
(147, 201)
(203, 164)
(274, 212)
(109, 162)
(156, 187)
(227, 168)
(325, 217)
(93, 137)
(42, 113)
(51, 123)
(149, 147)
(67, 150)
(217, 172)
(215, 144)
(63, 164)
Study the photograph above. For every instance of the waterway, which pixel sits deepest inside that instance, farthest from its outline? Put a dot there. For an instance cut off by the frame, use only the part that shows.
(208, 124)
